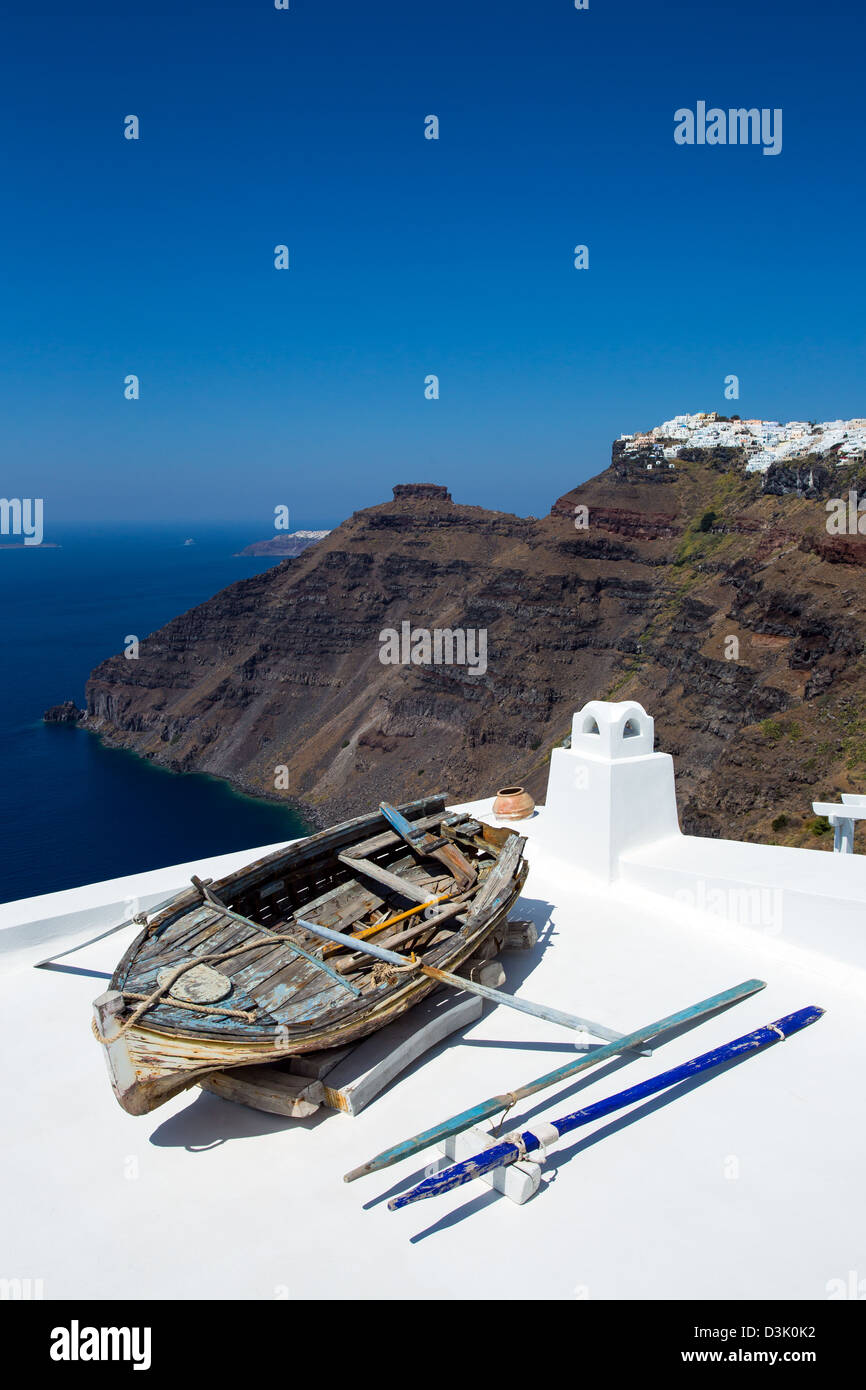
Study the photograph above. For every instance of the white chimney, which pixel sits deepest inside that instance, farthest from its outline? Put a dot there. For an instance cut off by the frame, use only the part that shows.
(609, 792)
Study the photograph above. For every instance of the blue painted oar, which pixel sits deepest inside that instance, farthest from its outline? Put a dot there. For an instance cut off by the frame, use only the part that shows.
(496, 1104)
(523, 1006)
(518, 1145)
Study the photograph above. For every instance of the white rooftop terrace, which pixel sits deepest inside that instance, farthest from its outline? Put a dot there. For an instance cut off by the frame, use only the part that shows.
(749, 1185)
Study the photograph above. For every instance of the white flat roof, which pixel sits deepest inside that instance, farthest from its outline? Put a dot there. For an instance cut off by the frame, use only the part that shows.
(750, 1185)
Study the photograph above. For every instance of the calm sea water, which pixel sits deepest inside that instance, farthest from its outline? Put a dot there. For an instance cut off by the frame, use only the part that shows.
(72, 811)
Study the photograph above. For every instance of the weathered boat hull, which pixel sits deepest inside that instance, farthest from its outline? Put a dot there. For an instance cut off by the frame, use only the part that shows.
(295, 1009)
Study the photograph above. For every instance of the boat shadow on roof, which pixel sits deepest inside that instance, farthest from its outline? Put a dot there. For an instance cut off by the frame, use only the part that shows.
(210, 1121)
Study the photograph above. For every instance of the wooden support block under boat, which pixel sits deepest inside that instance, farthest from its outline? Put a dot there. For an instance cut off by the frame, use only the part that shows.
(269, 1088)
(520, 935)
(484, 972)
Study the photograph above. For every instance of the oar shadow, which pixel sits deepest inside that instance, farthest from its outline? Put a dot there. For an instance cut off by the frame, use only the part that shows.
(478, 1203)
(410, 1180)
(75, 970)
(528, 1045)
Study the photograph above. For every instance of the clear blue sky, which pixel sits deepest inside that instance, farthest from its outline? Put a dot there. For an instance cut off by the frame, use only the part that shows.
(410, 256)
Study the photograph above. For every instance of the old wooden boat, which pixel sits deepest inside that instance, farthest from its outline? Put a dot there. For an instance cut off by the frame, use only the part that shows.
(225, 975)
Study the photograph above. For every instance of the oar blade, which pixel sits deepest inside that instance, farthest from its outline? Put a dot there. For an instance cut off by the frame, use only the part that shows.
(457, 1174)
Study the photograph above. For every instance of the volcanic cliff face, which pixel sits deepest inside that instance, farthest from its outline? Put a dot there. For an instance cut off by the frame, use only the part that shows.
(713, 596)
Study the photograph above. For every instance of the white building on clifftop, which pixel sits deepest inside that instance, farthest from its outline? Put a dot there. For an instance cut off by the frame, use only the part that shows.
(764, 441)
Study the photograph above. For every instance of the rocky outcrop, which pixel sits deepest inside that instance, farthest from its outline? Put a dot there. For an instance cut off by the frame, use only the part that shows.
(811, 476)
(66, 713)
(689, 587)
(421, 492)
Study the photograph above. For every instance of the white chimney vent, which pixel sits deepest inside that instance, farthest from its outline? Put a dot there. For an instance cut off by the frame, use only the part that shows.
(609, 792)
(604, 730)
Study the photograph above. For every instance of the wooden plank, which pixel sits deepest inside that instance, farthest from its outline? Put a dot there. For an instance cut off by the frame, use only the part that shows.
(279, 993)
(421, 842)
(220, 936)
(258, 962)
(404, 886)
(287, 943)
(520, 935)
(374, 1063)
(189, 926)
(500, 877)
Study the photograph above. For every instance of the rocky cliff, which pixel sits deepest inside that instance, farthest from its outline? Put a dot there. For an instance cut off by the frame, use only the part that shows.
(713, 595)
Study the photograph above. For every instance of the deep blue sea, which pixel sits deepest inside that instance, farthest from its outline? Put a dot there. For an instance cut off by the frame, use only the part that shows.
(72, 811)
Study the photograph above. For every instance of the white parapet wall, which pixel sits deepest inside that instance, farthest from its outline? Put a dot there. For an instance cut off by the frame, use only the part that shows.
(611, 814)
(30, 927)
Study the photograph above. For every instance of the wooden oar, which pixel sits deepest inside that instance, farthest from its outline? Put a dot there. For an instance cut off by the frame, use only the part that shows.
(388, 922)
(348, 963)
(542, 1135)
(422, 842)
(495, 1105)
(443, 977)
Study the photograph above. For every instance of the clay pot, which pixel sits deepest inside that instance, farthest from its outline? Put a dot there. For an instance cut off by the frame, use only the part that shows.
(513, 803)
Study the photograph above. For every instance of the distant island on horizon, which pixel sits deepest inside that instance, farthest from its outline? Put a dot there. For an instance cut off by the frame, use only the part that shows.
(287, 544)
